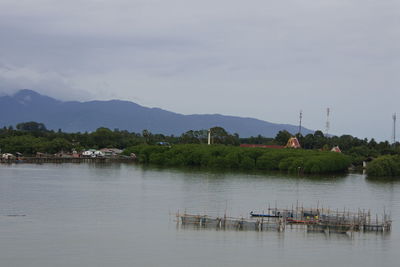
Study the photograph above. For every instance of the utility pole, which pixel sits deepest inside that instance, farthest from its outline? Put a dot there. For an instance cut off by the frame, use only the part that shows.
(300, 117)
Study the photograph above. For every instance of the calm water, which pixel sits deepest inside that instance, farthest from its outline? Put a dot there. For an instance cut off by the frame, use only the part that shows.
(119, 215)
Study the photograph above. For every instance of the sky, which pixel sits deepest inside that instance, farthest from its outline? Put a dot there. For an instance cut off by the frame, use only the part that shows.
(257, 58)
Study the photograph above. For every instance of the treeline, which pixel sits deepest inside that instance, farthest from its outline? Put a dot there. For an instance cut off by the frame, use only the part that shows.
(358, 149)
(31, 137)
(30, 140)
(219, 156)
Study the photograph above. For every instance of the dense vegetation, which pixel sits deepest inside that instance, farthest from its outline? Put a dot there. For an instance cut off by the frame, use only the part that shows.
(384, 166)
(31, 137)
(219, 156)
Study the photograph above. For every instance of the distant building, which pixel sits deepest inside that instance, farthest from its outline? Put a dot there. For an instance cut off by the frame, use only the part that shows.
(293, 143)
(8, 156)
(89, 153)
(75, 154)
(164, 144)
(336, 149)
(98, 154)
(111, 152)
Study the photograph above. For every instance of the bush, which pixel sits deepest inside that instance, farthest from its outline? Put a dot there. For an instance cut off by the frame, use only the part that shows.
(384, 166)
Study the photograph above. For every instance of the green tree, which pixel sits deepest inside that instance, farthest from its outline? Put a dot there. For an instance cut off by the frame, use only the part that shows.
(318, 133)
(58, 145)
(309, 141)
(103, 137)
(189, 138)
(282, 137)
(148, 136)
(218, 135)
(31, 127)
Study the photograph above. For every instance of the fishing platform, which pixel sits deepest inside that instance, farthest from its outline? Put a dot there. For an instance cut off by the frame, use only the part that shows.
(319, 220)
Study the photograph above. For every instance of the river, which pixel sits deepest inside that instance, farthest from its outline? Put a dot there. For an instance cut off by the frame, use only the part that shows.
(123, 215)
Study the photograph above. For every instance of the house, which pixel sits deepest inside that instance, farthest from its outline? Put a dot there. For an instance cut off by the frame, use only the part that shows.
(98, 154)
(111, 152)
(8, 156)
(93, 153)
(336, 149)
(88, 153)
(163, 144)
(293, 142)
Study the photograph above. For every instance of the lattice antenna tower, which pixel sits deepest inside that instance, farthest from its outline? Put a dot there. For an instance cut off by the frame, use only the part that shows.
(328, 124)
(300, 118)
(394, 117)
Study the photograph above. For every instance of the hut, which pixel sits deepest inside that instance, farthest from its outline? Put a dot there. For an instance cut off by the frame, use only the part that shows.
(293, 142)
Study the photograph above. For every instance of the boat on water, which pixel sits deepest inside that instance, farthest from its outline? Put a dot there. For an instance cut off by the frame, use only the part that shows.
(252, 214)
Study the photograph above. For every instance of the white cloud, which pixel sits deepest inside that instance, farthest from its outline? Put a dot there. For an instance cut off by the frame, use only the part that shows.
(50, 83)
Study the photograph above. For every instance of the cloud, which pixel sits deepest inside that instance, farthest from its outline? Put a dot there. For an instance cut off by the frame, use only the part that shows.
(263, 59)
(50, 83)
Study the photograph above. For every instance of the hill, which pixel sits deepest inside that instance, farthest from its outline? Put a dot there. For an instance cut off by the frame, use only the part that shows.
(73, 116)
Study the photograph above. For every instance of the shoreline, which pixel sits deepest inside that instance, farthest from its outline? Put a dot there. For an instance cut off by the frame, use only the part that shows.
(41, 160)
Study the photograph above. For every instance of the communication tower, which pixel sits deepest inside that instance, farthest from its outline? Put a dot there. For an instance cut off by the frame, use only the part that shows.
(300, 117)
(394, 128)
(328, 124)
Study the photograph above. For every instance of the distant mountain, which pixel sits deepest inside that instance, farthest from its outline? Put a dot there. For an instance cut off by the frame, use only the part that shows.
(73, 116)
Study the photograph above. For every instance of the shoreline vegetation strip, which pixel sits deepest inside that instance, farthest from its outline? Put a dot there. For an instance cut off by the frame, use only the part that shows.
(231, 157)
(30, 138)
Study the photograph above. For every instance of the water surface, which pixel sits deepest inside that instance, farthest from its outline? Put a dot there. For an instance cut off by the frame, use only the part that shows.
(120, 215)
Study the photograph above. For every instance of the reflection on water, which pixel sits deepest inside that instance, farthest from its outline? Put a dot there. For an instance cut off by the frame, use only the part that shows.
(256, 174)
(317, 235)
(120, 215)
(383, 180)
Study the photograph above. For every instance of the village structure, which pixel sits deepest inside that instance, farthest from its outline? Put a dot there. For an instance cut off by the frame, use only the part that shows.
(104, 154)
(114, 153)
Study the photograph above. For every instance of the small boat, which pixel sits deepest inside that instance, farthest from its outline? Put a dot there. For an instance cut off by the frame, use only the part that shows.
(252, 214)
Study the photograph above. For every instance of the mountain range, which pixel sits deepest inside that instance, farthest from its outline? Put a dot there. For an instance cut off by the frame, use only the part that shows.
(73, 116)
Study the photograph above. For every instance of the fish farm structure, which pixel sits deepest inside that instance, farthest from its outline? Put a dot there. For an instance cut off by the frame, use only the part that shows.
(319, 220)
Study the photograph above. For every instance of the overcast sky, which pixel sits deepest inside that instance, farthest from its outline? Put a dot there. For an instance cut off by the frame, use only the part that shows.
(256, 58)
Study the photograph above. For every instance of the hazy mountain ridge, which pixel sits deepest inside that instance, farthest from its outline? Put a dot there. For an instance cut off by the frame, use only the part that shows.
(73, 116)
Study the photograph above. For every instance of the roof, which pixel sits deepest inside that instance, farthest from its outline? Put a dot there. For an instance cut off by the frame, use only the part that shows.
(111, 150)
(293, 143)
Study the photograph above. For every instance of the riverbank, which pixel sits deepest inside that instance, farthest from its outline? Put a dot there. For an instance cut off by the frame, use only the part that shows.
(40, 160)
